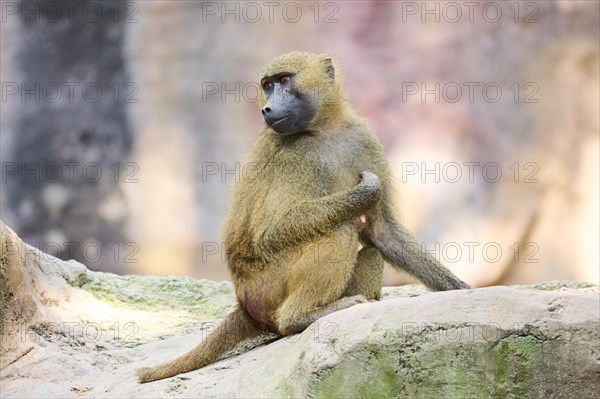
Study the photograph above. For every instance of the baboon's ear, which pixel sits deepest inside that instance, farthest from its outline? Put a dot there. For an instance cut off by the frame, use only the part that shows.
(329, 68)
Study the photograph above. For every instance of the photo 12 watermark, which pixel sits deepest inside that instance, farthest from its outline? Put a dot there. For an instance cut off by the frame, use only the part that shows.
(471, 91)
(452, 12)
(89, 251)
(469, 172)
(293, 12)
(54, 12)
(74, 333)
(70, 92)
(69, 172)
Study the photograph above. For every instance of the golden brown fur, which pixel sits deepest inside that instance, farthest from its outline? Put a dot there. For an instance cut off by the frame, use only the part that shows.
(292, 232)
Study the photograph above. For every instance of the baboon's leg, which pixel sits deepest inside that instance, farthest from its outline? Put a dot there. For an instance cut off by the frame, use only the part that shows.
(317, 281)
(292, 321)
(367, 274)
(236, 327)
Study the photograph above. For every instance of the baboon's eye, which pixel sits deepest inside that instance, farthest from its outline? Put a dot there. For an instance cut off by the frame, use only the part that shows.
(267, 86)
(284, 79)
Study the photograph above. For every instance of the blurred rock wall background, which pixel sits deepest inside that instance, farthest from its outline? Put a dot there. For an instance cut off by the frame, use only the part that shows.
(124, 124)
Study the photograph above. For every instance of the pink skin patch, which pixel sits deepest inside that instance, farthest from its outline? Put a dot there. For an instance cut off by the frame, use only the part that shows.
(259, 312)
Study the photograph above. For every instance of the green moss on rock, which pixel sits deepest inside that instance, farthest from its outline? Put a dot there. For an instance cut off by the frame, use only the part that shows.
(352, 379)
(557, 285)
(3, 291)
(517, 366)
(155, 293)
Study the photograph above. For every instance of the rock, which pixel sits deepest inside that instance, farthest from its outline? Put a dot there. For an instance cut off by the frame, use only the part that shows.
(83, 333)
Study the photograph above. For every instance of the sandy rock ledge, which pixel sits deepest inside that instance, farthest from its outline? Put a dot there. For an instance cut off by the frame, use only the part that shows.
(70, 332)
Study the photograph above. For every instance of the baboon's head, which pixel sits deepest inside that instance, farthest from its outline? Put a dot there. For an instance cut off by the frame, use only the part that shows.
(300, 92)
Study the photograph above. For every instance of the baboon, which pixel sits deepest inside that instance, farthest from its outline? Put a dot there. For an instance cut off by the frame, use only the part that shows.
(320, 186)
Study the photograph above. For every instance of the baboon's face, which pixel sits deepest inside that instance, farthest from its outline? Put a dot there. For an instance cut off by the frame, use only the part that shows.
(287, 110)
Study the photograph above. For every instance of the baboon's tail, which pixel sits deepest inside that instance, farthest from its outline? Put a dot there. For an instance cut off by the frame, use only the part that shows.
(402, 251)
(236, 327)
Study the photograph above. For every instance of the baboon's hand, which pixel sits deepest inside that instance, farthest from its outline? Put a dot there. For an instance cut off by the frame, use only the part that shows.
(370, 188)
(369, 179)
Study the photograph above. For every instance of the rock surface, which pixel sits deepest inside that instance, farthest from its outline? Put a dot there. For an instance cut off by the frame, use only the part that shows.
(71, 332)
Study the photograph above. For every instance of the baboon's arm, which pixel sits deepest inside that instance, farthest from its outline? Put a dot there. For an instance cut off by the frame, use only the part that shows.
(314, 217)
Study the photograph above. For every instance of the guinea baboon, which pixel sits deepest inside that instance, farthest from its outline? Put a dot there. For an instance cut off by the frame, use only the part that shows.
(315, 185)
